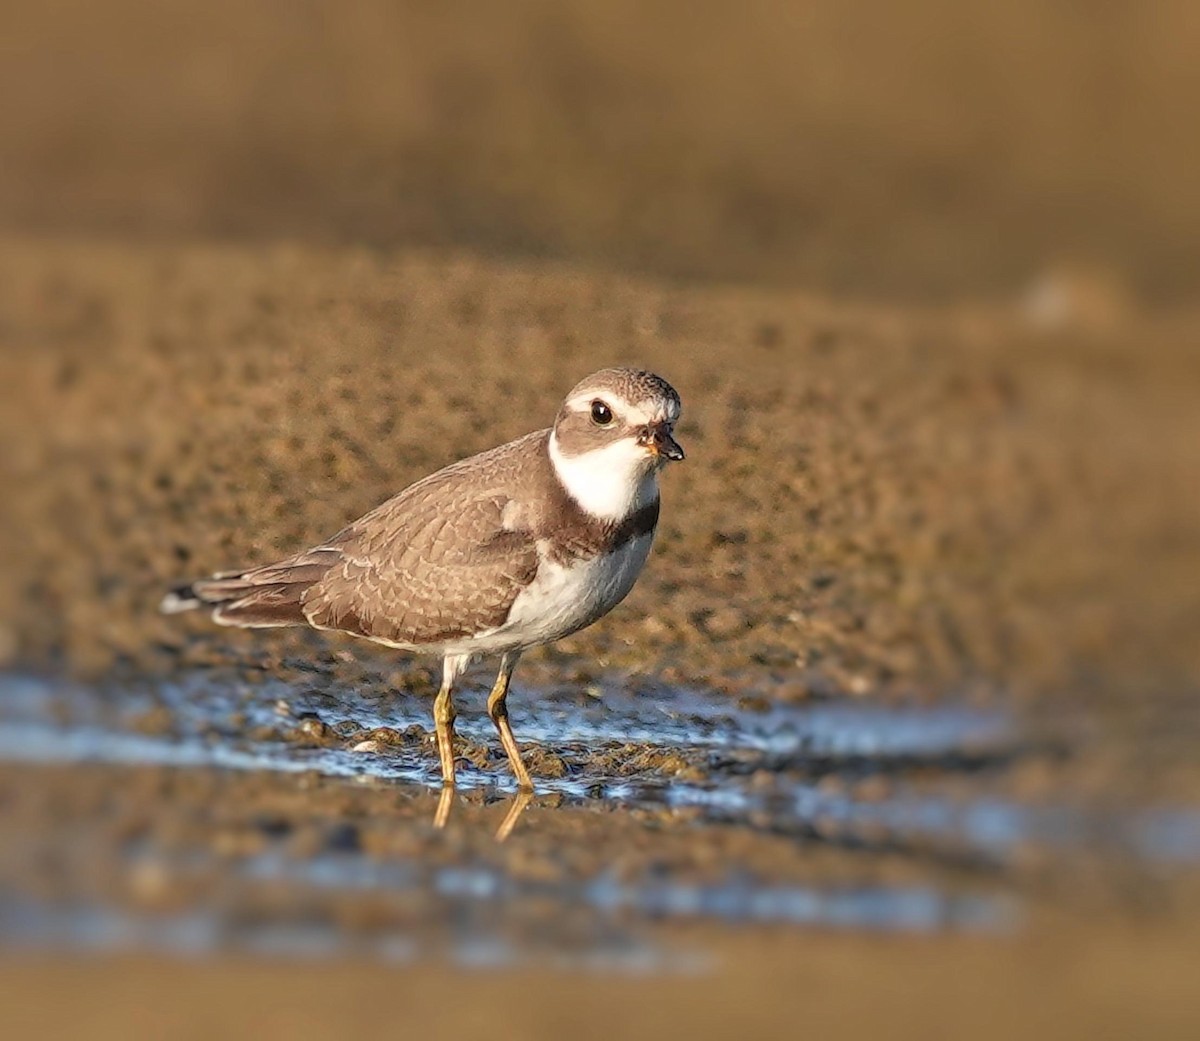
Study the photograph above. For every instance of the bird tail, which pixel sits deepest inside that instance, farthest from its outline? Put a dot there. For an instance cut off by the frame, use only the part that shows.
(262, 597)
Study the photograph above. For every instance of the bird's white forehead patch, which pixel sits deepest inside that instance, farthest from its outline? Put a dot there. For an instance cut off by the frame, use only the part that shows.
(648, 410)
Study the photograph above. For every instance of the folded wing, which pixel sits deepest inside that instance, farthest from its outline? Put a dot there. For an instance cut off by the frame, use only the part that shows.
(437, 562)
(435, 566)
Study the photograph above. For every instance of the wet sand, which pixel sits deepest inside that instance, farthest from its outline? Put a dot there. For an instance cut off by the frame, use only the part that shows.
(213, 850)
(1132, 983)
(320, 931)
(913, 499)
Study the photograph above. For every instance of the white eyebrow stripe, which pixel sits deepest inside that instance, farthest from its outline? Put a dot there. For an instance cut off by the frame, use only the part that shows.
(638, 413)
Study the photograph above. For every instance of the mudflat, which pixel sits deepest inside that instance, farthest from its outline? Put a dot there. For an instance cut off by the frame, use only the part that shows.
(875, 498)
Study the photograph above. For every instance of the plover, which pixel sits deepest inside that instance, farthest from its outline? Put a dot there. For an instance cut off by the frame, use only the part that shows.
(517, 546)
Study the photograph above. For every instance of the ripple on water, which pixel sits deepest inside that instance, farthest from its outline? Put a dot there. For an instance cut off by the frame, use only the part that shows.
(767, 770)
(766, 780)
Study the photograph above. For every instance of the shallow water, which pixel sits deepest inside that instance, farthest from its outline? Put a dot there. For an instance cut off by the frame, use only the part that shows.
(467, 896)
(922, 784)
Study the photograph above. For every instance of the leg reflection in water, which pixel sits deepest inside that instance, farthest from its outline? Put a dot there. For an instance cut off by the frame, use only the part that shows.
(518, 806)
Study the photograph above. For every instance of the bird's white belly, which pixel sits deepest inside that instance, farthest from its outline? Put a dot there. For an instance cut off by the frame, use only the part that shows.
(562, 599)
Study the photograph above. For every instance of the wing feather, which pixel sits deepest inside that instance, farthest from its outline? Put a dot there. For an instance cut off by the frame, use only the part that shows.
(435, 563)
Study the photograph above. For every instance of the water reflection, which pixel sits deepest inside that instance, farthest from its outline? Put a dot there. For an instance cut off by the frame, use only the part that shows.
(766, 769)
(768, 772)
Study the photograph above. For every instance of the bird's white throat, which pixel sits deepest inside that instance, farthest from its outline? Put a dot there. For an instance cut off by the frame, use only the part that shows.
(610, 483)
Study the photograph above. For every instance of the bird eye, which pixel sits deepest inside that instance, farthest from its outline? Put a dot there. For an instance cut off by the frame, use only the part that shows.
(601, 414)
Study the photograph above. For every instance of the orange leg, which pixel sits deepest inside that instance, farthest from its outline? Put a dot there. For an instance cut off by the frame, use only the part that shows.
(498, 712)
(443, 720)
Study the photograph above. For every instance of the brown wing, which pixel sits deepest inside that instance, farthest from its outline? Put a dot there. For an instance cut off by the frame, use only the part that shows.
(445, 558)
(435, 563)
(430, 568)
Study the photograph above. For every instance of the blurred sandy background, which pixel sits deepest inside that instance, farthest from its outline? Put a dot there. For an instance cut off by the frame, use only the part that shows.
(943, 348)
(927, 147)
(925, 275)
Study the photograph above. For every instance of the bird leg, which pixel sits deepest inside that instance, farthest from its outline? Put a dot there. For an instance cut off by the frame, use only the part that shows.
(443, 720)
(497, 708)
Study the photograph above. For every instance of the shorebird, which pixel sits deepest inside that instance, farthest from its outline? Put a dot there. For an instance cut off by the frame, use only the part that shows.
(515, 547)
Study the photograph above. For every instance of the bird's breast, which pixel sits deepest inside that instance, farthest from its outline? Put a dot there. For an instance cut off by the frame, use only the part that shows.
(567, 595)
